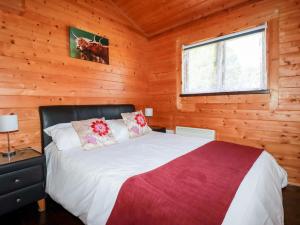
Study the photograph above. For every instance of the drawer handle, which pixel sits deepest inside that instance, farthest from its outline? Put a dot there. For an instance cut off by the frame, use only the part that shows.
(17, 181)
(18, 200)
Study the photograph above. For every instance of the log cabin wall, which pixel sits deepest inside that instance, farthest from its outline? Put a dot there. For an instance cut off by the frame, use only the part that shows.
(270, 121)
(36, 69)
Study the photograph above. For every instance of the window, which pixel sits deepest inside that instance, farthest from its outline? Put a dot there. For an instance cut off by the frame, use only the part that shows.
(231, 63)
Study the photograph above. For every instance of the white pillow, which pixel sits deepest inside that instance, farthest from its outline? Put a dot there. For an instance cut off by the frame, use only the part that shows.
(119, 129)
(64, 136)
(48, 130)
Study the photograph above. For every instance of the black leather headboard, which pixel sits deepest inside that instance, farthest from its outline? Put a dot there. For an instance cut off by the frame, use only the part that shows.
(51, 115)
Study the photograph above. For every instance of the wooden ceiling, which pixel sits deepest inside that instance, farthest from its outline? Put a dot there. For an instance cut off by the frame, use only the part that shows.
(156, 16)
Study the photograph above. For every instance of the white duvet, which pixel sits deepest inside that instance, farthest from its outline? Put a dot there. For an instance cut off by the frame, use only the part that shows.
(87, 183)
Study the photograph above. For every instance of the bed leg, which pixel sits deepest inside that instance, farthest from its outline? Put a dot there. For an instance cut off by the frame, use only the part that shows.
(42, 205)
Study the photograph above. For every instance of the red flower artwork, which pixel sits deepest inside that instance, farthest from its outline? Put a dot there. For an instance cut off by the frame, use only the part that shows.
(140, 119)
(100, 127)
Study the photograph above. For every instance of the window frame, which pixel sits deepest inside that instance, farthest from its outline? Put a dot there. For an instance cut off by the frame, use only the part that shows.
(259, 28)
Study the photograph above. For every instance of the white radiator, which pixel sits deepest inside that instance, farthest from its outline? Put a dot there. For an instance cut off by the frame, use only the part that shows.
(199, 132)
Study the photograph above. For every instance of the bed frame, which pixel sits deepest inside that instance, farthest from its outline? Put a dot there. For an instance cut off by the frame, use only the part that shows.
(51, 115)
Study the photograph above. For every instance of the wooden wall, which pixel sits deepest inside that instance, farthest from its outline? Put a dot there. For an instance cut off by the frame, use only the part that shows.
(270, 121)
(35, 67)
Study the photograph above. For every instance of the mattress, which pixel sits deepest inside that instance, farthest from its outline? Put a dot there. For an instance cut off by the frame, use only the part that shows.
(86, 183)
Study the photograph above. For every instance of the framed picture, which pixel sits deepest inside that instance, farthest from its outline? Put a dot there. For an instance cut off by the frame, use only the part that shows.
(88, 46)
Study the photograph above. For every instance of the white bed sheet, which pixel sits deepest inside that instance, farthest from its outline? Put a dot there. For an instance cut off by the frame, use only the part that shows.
(87, 183)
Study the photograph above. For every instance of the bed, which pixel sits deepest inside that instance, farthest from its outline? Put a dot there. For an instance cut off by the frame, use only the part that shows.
(87, 183)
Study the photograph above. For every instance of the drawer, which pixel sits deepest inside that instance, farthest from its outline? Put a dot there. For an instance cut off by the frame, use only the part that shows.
(20, 178)
(14, 200)
(22, 164)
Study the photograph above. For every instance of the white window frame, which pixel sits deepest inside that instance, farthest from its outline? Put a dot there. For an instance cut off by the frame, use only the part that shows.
(184, 77)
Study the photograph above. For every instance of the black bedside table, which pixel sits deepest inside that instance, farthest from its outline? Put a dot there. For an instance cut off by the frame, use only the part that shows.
(22, 180)
(158, 129)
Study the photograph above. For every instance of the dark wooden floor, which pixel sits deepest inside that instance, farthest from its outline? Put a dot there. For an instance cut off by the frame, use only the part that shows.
(56, 215)
(291, 204)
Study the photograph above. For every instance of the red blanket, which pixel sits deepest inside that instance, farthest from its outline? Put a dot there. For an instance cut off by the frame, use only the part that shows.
(196, 188)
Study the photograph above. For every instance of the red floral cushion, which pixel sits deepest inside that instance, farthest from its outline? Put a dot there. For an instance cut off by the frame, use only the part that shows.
(93, 133)
(136, 123)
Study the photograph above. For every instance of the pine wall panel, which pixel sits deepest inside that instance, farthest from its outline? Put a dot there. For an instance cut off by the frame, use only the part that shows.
(36, 69)
(270, 121)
